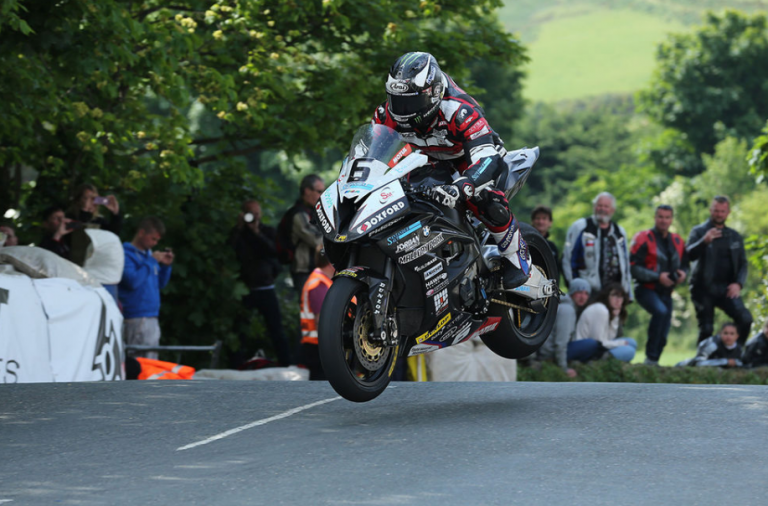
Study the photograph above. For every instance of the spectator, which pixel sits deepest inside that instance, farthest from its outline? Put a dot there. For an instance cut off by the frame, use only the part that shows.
(8, 236)
(602, 321)
(305, 236)
(312, 296)
(719, 271)
(659, 263)
(55, 230)
(596, 248)
(254, 244)
(144, 275)
(541, 219)
(85, 209)
(722, 350)
(561, 345)
(756, 351)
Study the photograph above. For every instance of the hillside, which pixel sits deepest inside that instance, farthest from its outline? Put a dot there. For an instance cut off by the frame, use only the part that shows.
(595, 47)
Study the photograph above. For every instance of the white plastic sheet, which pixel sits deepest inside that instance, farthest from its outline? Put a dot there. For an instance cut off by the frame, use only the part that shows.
(470, 361)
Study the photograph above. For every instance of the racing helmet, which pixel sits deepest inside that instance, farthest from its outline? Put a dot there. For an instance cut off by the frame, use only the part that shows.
(415, 86)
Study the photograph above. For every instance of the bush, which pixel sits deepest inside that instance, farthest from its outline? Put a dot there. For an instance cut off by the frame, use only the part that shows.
(615, 371)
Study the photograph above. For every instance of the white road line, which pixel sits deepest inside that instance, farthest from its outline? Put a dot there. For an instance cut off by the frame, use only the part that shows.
(256, 423)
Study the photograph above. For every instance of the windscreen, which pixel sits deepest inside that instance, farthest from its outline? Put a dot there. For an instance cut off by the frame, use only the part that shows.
(379, 142)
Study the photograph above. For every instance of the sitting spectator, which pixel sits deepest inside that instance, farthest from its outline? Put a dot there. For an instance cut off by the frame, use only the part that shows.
(8, 236)
(756, 351)
(85, 209)
(721, 350)
(144, 275)
(312, 297)
(602, 321)
(55, 227)
(254, 244)
(561, 345)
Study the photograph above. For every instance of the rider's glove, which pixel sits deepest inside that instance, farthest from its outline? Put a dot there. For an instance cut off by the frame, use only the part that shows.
(449, 194)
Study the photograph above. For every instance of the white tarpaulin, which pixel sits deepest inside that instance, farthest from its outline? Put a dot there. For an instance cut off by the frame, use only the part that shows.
(470, 361)
(58, 330)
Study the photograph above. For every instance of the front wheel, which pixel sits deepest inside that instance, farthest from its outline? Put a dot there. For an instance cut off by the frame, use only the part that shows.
(356, 368)
(522, 331)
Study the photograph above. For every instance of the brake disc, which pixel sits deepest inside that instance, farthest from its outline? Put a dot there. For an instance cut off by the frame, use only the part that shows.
(371, 356)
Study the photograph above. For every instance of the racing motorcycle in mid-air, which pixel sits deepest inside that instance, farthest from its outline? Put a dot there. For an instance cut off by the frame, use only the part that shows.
(414, 276)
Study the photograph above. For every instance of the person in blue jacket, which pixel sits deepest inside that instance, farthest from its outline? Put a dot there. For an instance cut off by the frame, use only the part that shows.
(144, 275)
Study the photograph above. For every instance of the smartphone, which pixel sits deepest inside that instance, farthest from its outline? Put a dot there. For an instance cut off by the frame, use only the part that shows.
(102, 201)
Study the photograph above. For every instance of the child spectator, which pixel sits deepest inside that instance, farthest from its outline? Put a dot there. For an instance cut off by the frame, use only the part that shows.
(756, 351)
(720, 350)
(602, 321)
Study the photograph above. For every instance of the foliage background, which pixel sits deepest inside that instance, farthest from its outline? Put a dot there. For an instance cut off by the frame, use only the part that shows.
(186, 111)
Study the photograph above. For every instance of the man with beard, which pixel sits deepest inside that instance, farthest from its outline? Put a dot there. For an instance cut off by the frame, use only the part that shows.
(596, 248)
(719, 271)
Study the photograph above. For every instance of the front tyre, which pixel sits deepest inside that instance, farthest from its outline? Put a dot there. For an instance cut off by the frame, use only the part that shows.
(520, 333)
(356, 368)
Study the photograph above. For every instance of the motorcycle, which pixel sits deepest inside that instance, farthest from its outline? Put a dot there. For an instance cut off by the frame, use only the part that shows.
(414, 276)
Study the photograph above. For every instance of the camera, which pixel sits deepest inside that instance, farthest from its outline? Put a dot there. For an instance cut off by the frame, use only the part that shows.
(674, 276)
(102, 201)
(248, 217)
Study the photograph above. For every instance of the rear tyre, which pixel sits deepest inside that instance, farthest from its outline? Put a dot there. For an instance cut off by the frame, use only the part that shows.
(356, 368)
(520, 333)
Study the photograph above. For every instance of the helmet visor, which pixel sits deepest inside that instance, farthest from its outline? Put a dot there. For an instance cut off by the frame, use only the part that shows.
(407, 106)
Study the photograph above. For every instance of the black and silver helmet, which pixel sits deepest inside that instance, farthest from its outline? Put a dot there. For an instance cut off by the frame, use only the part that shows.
(415, 86)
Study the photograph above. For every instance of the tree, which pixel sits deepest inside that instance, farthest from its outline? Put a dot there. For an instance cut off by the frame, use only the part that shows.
(160, 102)
(712, 82)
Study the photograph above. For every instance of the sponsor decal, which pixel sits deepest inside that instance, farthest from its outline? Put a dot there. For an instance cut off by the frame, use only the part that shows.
(434, 270)
(462, 114)
(322, 219)
(505, 242)
(441, 301)
(328, 199)
(403, 233)
(385, 194)
(362, 186)
(407, 150)
(483, 166)
(462, 334)
(379, 298)
(477, 127)
(489, 326)
(484, 131)
(427, 230)
(424, 266)
(421, 250)
(431, 76)
(437, 288)
(397, 86)
(467, 121)
(350, 273)
(381, 216)
(434, 331)
(408, 244)
(422, 348)
(341, 238)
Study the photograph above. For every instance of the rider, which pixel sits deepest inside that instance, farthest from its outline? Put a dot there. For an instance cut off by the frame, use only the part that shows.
(430, 111)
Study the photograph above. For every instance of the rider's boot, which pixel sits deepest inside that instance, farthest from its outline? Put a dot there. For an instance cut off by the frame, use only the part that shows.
(514, 250)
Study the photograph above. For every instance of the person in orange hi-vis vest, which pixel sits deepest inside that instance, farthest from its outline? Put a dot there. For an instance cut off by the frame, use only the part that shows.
(151, 369)
(312, 296)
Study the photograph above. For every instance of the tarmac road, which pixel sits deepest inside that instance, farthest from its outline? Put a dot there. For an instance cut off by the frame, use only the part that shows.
(138, 442)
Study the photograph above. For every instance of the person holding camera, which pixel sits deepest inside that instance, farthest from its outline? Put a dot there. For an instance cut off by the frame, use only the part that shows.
(56, 226)
(719, 271)
(254, 245)
(85, 210)
(659, 262)
(145, 273)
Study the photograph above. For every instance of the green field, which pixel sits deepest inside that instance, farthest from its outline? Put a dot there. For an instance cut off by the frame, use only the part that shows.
(582, 49)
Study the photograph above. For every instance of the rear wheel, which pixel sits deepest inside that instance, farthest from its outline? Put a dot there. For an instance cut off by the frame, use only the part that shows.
(356, 368)
(524, 329)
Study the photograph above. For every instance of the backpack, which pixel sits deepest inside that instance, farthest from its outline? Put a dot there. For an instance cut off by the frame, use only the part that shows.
(286, 250)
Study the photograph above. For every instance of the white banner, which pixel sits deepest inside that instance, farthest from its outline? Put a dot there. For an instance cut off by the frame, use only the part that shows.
(24, 346)
(58, 330)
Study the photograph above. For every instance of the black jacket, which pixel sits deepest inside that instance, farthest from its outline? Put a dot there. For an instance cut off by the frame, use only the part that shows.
(756, 352)
(713, 353)
(257, 255)
(703, 259)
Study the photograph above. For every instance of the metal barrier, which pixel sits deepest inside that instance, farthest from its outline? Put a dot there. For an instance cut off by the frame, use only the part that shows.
(215, 350)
